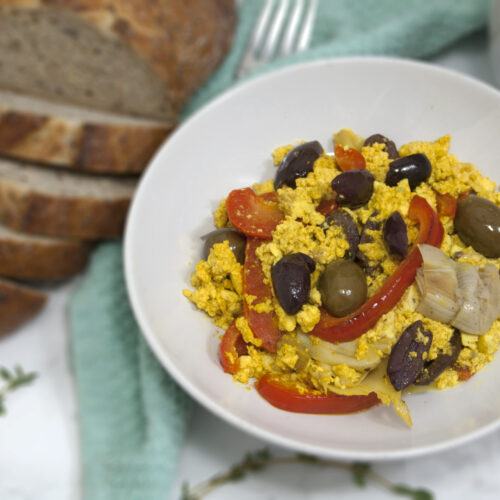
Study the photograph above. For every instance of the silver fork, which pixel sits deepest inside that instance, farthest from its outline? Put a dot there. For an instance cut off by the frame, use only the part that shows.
(284, 27)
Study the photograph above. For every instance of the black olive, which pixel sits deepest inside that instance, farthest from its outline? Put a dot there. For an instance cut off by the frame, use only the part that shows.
(372, 224)
(396, 235)
(434, 368)
(343, 287)
(291, 277)
(477, 223)
(297, 163)
(345, 220)
(390, 147)
(237, 242)
(354, 188)
(416, 168)
(407, 356)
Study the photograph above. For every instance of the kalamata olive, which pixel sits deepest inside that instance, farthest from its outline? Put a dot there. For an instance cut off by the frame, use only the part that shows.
(434, 368)
(390, 147)
(407, 356)
(354, 188)
(343, 287)
(345, 220)
(372, 224)
(396, 235)
(297, 163)
(291, 277)
(237, 242)
(477, 223)
(416, 168)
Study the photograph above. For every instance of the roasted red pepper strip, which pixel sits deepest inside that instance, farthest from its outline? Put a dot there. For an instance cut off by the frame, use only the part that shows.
(232, 346)
(264, 325)
(252, 214)
(351, 327)
(446, 205)
(349, 159)
(288, 398)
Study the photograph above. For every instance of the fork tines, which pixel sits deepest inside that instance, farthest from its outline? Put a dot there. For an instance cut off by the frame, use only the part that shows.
(283, 28)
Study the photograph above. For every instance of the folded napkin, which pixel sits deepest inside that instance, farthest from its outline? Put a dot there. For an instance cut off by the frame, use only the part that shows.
(132, 415)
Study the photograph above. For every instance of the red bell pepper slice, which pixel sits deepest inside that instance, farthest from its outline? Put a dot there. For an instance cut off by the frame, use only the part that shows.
(352, 326)
(232, 346)
(263, 325)
(446, 205)
(349, 159)
(251, 214)
(288, 398)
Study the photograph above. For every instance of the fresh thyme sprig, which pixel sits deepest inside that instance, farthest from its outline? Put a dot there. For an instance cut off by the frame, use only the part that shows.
(257, 461)
(13, 379)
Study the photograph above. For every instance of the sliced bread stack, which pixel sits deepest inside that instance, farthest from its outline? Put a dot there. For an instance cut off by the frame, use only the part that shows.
(88, 92)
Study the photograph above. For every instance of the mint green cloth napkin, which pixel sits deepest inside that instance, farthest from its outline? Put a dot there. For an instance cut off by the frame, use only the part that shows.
(132, 415)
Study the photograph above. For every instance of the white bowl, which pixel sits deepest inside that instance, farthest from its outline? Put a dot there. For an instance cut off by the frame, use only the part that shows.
(227, 145)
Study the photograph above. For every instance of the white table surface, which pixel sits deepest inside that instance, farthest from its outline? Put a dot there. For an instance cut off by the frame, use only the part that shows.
(39, 449)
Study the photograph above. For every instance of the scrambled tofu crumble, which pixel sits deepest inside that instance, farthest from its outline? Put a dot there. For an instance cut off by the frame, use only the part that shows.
(358, 366)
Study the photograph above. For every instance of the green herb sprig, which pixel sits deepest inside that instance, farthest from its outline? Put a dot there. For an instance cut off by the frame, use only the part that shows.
(259, 460)
(13, 379)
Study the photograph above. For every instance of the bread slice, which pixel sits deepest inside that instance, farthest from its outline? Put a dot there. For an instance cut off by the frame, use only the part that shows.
(126, 56)
(56, 202)
(18, 304)
(69, 136)
(29, 257)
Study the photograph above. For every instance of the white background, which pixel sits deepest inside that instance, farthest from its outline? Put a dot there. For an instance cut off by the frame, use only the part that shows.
(39, 449)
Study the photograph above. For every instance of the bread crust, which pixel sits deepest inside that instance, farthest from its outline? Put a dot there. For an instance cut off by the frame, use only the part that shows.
(93, 147)
(182, 40)
(29, 211)
(42, 260)
(18, 304)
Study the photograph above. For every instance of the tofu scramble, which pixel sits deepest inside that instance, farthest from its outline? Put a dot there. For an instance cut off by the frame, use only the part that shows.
(352, 279)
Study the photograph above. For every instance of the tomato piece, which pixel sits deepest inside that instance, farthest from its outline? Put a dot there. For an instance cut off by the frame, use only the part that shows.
(232, 346)
(271, 196)
(464, 372)
(264, 325)
(465, 194)
(349, 158)
(446, 205)
(326, 207)
(352, 326)
(286, 397)
(252, 214)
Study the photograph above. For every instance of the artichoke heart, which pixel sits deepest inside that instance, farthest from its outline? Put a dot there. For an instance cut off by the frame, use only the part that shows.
(458, 293)
(438, 284)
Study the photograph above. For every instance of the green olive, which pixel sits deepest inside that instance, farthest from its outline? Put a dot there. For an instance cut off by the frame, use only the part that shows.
(343, 287)
(477, 223)
(237, 242)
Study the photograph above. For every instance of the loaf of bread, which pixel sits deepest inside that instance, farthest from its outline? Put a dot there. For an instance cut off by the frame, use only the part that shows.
(56, 202)
(18, 304)
(133, 57)
(89, 89)
(70, 136)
